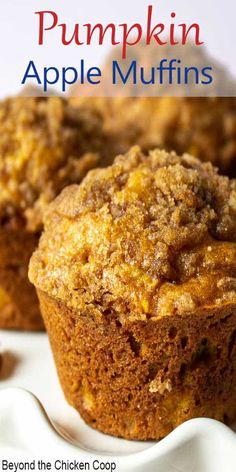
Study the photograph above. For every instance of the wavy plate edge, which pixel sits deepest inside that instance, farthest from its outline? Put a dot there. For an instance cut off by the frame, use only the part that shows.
(199, 445)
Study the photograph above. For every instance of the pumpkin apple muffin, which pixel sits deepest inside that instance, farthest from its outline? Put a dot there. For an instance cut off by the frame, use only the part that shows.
(204, 126)
(45, 144)
(136, 276)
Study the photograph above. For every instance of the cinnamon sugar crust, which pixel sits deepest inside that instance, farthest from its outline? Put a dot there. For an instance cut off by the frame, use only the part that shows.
(45, 144)
(151, 235)
(136, 277)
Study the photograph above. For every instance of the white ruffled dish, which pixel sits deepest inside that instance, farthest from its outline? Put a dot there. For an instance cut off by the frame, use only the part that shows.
(199, 445)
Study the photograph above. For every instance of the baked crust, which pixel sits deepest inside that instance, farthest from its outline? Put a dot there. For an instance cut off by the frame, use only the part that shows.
(136, 276)
(152, 233)
(45, 144)
(142, 379)
(203, 126)
(19, 306)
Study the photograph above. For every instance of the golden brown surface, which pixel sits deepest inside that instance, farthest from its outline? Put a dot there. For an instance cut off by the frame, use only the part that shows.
(136, 275)
(204, 127)
(19, 307)
(147, 59)
(140, 380)
(45, 144)
(151, 234)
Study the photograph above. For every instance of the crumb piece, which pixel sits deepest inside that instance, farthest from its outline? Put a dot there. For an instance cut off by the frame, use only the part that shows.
(159, 386)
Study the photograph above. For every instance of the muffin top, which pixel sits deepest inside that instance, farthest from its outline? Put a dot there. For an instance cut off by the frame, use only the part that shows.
(181, 118)
(45, 144)
(149, 56)
(151, 235)
(204, 126)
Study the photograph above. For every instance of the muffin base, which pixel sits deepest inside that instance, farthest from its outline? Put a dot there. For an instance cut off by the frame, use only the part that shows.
(19, 307)
(141, 380)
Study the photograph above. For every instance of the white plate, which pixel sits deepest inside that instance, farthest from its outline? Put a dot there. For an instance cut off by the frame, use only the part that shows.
(199, 445)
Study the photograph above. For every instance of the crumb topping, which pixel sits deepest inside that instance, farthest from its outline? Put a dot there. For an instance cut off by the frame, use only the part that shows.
(45, 144)
(204, 127)
(149, 236)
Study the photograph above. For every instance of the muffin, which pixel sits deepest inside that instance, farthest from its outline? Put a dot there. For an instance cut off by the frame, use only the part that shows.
(185, 80)
(136, 276)
(45, 144)
(202, 126)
